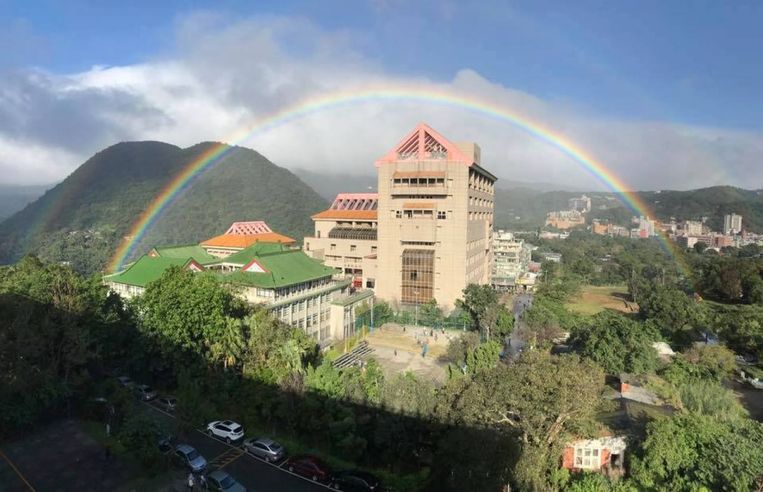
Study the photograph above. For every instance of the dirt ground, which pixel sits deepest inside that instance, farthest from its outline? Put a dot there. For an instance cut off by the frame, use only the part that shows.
(396, 350)
(593, 299)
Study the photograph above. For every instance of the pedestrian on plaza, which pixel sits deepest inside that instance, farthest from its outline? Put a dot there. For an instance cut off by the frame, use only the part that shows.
(203, 482)
(190, 481)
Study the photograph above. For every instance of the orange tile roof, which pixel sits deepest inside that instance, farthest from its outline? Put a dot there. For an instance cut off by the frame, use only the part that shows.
(347, 214)
(244, 241)
(419, 174)
(418, 205)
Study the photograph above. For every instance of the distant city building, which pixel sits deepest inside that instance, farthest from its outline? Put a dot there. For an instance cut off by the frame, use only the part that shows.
(692, 228)
(346, 237)
(565, 219)
(550, 256)
(732, 224)
(580, 204)
(511, 258)
(435, 219)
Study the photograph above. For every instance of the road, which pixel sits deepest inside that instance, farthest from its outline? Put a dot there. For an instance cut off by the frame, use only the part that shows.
(515, 345)
(254, 474)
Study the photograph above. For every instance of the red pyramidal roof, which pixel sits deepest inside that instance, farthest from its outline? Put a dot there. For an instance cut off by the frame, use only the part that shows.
(423, 144)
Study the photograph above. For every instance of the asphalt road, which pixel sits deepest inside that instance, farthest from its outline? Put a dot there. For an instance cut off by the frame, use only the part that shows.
(254, 474)
(516, 344)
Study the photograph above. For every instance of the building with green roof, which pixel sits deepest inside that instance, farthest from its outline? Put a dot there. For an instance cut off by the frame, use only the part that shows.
(296, 288)
(132, 281)
(188, 251)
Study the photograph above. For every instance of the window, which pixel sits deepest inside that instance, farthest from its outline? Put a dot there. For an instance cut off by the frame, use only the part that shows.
(353, 247)
(398, 214)
(587, 457)
(373, 249)
(333, 247)
(318, 234)
(441, 214)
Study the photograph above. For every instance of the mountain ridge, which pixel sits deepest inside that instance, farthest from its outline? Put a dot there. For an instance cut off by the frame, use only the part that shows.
(82, 219)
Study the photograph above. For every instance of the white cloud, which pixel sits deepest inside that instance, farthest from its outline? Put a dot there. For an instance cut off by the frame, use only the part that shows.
(225, 76)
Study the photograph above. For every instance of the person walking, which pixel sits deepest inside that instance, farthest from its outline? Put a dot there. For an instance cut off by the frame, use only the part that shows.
(190, 482)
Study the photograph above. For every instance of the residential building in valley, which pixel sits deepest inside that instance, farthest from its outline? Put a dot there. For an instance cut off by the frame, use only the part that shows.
(511, 259)
(732, 224)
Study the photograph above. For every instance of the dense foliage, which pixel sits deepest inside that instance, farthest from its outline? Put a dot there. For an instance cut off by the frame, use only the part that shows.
(617, 343)
(82, 219)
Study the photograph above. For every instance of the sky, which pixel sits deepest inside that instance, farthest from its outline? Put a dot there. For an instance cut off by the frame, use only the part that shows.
(666, 94)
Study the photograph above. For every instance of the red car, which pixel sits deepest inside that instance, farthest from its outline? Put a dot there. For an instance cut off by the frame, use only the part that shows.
(309, 466)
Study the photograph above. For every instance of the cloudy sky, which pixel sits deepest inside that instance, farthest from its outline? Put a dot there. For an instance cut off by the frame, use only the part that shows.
(666, 94)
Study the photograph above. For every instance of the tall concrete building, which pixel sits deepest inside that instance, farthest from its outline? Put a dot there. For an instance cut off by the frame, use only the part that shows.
(732, 224)
(435, 219)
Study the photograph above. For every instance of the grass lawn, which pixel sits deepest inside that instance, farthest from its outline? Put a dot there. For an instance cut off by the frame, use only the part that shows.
(593, 299)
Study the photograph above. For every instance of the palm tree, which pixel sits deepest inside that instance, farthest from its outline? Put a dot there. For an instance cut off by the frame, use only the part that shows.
(230, 345)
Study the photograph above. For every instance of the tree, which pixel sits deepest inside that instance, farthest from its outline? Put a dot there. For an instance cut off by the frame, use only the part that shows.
(185, 314)
(678, 317)
(140, 435)
(689, 451)
(230, 344)
(477, 299)
(539, 398)
(700, 247)
(617, 343)
(430, 314)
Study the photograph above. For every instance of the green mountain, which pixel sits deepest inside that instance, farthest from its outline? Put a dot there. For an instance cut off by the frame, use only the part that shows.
(15, 197)
(84, 218)
(328, 185)
(522, 208)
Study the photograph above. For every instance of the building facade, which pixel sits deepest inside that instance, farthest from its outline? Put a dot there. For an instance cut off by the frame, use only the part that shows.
(346, 237)
(435, 220)
(511, 259)
(298, 290)
(565, 219)
(732, 224)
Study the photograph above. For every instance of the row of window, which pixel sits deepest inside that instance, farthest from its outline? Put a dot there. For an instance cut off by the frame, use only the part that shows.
(481, 216)
(420, 214)
(480, 183)
(480, 202)
(419, 181)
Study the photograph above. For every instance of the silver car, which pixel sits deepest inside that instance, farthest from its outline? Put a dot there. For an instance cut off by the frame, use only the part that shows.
(191, 458)
(264, 448)
(221, 480)
(167, 403)
(145, 392)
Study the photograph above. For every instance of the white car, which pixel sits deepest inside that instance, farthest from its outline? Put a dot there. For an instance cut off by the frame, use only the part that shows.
(225, 429)
(756, 383)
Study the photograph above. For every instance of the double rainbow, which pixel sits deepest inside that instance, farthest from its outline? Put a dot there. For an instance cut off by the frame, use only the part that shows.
(425, 94)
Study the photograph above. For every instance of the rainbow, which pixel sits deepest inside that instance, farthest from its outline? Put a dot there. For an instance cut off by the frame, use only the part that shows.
(425, 94)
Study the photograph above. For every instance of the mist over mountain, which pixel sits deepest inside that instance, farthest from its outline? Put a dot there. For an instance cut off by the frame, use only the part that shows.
(84, 218)
(15, 197)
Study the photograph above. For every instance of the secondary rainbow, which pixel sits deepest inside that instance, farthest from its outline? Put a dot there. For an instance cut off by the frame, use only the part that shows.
(425, 94)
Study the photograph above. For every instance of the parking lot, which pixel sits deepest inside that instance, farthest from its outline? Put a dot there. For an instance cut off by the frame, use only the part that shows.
(253, 473)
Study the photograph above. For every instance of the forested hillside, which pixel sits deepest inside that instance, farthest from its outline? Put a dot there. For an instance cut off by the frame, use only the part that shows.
(83, 219)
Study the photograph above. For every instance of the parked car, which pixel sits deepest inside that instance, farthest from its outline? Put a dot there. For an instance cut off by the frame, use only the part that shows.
(756, 383)
(225, 429)
(221, 480)
(164, 443)
(355, 481)
(264, 448)
(189, 457)
(145, 392)
(311, 467)
(125, 381)
(167, 403)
